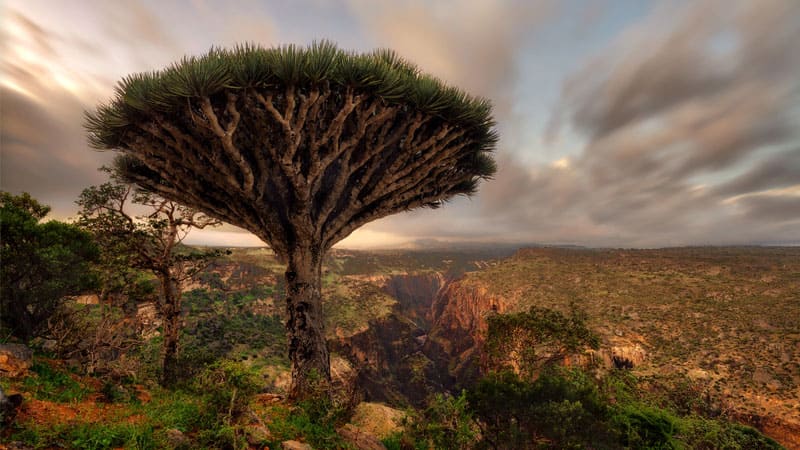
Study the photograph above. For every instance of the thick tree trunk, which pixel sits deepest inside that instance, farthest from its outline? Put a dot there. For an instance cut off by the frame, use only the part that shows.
(305, 325)
(171, 315)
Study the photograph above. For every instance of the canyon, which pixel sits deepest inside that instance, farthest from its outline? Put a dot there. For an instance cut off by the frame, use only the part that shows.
(691, 317)
(716, 322)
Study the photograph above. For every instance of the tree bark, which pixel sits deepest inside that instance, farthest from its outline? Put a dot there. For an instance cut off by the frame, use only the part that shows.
(305, 325)
(171, 314)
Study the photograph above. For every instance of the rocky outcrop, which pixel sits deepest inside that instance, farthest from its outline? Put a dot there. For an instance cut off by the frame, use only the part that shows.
(391, 364)
(88, 299)
(378, 419)
(459, 327)
(624, 356)
(415, 294)
(177, 439)
(360, 439)
(148, 319)
(15, 360)
(295, 445)
(618, 354)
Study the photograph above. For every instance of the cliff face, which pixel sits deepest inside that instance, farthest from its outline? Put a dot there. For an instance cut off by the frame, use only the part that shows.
(695, 314)
(433, 337)
(459, 326)
(671, 314)
(391, 362)
(395, 365)
(415, 294)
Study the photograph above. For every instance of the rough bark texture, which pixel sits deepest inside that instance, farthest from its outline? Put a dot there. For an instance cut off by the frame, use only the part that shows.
(299, 166)
(171, 313)
(305, 325)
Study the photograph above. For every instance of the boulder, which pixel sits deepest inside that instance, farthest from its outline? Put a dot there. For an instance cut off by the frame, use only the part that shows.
(8, 406)
(295, 445)
(15, 360)
(257, 435)
(378, 419)
(177, 439)
(359, 439)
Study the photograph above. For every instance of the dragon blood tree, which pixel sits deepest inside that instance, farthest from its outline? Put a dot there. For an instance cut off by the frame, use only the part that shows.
(300, 146)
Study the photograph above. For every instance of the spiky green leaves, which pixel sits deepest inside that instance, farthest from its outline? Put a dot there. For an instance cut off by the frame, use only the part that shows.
(381, 73)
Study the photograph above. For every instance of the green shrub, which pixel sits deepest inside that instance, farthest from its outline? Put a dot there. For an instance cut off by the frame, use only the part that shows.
(227, 388)
(701, 433)
(222, 437)
(53, 385)
(643, 426)
(394, 441)
(179, 410)
(522, 336)
(446, 423)
(90, 436)
(304, 423)
(560, 406)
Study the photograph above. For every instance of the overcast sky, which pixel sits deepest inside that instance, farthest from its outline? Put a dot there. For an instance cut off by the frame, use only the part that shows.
(622, 123)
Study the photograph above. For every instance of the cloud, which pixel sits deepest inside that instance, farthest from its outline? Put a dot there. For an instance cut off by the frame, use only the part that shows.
(472, 44)
(48, 76)
(682, 129)
(44, 153)
(781, 169)
(682, 111)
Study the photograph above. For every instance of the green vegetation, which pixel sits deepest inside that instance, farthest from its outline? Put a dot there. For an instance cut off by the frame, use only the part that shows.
(447, 422)
(96, 385)
(90, 436)
(565, 409)
(225, 325)
(534, 339)
(151, 242)
(723, 317)
(50, 384)
(214, 410)
(41, 264)
(513, 407)
(310, 421)
(381, 73)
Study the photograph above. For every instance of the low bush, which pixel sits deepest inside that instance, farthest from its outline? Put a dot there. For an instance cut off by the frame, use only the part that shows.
(306, 422)
(54, 385)
(560, 406)
(447, 422)
(85, 436)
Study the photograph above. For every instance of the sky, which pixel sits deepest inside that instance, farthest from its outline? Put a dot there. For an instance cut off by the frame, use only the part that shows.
(622, 123)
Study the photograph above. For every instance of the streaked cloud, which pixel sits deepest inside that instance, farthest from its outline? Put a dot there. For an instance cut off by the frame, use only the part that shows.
(706, 93)
(676, 122)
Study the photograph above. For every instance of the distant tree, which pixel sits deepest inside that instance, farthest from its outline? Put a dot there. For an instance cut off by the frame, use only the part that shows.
(527, 342)
(560, 409)
(40, 263)
(300, 146)
(150, 241)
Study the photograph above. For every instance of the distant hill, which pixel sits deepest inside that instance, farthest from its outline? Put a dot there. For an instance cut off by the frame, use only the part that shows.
(726, 318)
